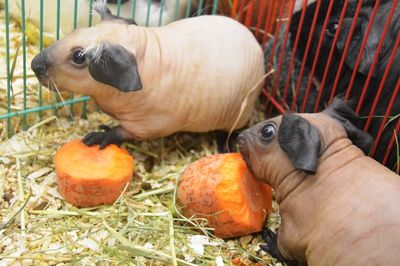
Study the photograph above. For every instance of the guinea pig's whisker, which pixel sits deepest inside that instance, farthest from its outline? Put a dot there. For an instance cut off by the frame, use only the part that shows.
(48, 85)
(51, 88)
(65, 108)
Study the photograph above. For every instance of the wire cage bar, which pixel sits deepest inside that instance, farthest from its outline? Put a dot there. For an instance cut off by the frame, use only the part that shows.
(318, 49)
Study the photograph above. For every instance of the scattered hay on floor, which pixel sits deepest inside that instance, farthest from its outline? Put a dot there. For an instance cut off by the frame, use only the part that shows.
(143, 226)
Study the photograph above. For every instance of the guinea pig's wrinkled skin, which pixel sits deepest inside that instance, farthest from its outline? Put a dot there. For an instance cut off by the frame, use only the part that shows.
(337, 206)
(191, 75)
(147, 12)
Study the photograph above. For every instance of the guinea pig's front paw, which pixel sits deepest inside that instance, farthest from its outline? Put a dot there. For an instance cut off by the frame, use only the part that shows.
(109, 135)
(271, 247)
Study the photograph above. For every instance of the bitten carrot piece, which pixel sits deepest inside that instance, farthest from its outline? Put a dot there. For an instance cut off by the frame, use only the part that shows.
(88, 176)
(221, 189)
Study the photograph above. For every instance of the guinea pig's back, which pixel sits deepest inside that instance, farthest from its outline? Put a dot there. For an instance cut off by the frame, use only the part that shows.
(219, 63)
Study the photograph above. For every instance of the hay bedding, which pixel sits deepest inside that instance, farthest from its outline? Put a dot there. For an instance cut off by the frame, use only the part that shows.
(144, 227)
(37, 225)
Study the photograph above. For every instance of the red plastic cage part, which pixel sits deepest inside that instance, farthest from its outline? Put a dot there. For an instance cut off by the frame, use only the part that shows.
(335, 39)
(376, 56)
(314, 22)
(385, 119)
(380, 89)
(346, 48)
(282, 50)
(314, 65)
(363, 44)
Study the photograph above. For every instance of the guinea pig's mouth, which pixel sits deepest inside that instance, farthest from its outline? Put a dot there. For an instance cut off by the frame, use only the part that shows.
(244, 151)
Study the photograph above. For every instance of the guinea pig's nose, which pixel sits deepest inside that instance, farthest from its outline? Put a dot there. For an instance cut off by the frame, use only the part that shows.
(40, 64)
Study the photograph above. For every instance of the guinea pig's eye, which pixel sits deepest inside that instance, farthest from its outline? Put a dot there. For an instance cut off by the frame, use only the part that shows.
(78, 56)
(332, 28)
(268, 132)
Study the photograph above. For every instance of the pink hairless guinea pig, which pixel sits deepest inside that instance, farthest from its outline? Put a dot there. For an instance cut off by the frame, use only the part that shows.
(337, 205)
(192, 75)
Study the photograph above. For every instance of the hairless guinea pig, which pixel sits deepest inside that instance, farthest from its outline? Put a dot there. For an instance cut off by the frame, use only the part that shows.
(191, 75)
(337, 206)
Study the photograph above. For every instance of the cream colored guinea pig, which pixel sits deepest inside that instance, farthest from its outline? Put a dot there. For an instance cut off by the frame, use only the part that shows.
(197, 74)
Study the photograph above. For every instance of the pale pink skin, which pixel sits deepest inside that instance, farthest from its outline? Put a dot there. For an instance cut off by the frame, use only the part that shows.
(346, 214)
(196, 73)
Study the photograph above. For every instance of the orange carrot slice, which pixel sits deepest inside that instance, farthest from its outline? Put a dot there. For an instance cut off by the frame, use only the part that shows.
(88, 176)
(221, 189)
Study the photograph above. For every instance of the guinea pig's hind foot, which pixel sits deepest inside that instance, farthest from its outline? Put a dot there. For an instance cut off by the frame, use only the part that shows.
(109, 135)
(271, 247)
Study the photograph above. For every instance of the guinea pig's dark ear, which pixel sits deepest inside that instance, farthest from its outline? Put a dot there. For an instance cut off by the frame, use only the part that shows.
(342, 112)
(355, 45)
(300, 141)
(113, 65)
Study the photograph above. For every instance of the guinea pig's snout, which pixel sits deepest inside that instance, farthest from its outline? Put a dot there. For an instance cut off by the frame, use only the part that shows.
(40, 65)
